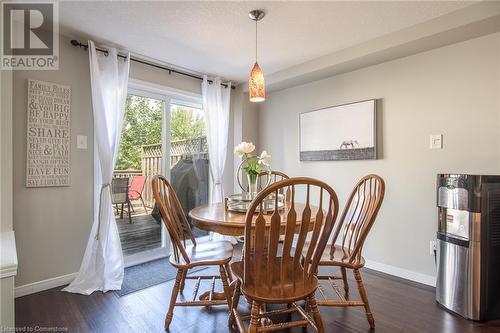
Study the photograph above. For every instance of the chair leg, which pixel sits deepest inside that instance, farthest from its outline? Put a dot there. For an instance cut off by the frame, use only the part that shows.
(316, 314)
(364, 297)
(143, 204)
(129, 215)
(183, 281)
(234, 304)
(344, 278)
(173, 298)
(289, 315)
(307, 305)
(254, 317)
(228, 271)
(225, 285)
(121, 213)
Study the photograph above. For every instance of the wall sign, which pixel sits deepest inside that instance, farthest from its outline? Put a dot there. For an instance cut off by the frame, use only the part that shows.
(48, 134)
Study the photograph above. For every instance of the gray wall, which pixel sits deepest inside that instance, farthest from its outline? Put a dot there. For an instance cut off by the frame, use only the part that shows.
(52, 225)
(7, 306)
(6, 151)
(452, 91)
(245, 123)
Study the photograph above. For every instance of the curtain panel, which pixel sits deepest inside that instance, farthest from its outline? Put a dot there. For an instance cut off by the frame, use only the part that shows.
(102, 265)
(216, 104)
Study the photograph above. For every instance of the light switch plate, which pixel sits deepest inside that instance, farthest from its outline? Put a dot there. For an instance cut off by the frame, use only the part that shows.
(436, 141)
(81, 141)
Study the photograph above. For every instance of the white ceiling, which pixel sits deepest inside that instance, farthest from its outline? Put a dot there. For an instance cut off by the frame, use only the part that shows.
(218, 37)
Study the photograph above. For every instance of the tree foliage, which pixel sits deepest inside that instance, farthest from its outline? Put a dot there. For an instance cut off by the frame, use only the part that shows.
(143, 126)
(185, 124)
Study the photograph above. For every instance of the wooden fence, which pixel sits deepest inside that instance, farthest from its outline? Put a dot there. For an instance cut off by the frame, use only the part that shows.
(151, 161)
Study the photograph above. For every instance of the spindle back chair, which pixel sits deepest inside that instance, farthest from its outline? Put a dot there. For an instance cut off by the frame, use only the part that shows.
(345, 250)
(187, 256)
(173, 216)
(272, 177)
(274, 274)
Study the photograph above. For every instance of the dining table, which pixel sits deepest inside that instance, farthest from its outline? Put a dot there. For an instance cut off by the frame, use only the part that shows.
(217, 218)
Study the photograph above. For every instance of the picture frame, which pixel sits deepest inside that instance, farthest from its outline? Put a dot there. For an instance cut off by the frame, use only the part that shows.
(339, 133)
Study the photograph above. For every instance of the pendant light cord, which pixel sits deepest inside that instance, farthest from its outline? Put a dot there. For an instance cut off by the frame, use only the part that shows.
(256, 21)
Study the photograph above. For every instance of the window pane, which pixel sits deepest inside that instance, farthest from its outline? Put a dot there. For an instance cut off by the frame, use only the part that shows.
(139, 159)
(189, 172)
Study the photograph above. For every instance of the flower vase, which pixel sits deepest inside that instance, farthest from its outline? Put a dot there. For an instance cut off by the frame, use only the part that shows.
(252, 185)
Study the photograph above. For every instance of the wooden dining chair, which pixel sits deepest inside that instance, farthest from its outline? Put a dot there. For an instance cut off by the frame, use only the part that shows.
(354, 224)
(186, 257)
(269, 177)
(273, 274)
(272, 177)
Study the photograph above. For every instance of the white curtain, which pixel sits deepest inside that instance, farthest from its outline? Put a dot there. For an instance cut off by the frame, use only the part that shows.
(216, 100)
(102, 264)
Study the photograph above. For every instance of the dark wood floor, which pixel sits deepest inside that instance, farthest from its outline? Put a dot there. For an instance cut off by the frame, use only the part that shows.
(398, 306)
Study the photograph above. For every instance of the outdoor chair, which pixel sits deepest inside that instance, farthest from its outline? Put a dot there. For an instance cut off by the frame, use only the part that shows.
(135, 190)
(119, 196)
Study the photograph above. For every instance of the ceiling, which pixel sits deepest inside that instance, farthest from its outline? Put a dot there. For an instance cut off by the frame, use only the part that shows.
(217, 38)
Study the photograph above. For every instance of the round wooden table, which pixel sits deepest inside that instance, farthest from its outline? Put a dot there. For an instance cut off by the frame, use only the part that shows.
(213, 217)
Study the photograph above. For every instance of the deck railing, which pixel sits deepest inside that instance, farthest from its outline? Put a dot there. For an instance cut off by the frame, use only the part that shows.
(151, 156)
(127, 173)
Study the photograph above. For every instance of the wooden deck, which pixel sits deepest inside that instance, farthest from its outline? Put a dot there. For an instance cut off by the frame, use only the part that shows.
(143, 234)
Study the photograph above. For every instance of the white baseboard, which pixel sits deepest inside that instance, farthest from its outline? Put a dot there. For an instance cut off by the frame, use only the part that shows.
(402, 273)
(62, 280)
(38, 286)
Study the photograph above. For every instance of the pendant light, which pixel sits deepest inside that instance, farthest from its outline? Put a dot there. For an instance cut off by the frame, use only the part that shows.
(256, 85)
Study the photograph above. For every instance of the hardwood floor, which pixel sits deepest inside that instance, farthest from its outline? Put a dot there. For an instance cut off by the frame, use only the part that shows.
(398, 306)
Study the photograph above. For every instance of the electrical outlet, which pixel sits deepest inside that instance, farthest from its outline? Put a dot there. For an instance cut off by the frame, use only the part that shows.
(432, 247)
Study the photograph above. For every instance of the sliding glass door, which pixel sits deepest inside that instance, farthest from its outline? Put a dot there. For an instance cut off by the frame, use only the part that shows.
(139, 159)
(189, 167)
(163, 133)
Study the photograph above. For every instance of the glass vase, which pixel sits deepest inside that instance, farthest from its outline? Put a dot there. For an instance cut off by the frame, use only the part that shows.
(252, 185)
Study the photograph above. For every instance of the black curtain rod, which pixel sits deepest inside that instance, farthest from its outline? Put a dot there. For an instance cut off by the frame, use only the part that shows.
(76, 43)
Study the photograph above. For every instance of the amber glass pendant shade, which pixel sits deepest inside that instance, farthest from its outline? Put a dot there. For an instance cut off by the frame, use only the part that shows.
(256, 85)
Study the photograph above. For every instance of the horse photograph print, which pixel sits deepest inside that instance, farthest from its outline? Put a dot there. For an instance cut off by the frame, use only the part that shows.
(339, 133)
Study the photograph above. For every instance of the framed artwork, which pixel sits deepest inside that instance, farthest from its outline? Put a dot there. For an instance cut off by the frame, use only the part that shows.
(339, 133)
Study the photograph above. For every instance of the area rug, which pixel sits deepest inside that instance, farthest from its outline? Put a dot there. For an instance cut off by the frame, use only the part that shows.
(149, 274)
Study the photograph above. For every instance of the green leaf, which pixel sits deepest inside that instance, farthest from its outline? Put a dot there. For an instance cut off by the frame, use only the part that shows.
(142, 125)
